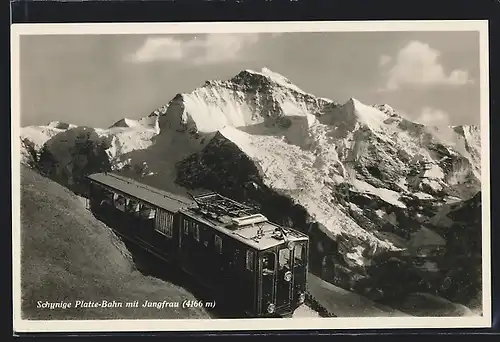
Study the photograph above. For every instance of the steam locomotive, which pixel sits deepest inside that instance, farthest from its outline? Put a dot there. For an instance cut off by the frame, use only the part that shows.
(260, 267)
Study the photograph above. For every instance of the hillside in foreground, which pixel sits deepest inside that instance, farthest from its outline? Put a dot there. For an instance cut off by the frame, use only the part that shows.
(68, 255)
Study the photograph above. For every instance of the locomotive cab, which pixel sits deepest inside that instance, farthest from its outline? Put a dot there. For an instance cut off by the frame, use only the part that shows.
(283, 277)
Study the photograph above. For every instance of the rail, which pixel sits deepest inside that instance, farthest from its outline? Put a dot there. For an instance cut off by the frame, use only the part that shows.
(317, 306)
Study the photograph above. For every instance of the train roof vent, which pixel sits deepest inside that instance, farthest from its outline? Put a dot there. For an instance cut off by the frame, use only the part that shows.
(214, 203)
(247, 220)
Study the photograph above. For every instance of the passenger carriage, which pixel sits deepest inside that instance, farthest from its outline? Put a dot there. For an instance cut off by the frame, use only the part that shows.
(225, 245)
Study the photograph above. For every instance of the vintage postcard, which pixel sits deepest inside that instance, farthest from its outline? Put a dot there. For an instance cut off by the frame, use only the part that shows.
(250, 176)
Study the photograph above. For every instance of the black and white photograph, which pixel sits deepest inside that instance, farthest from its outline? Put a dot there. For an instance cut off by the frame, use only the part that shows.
(250, 176)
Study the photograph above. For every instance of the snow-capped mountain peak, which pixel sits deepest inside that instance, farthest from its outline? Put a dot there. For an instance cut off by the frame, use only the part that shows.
(276, 78)
(264, 78)
(386, 109)
(60, 125)
(247, 99)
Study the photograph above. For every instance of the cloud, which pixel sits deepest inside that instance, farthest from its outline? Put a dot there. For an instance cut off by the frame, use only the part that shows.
(434, 117)
(384, 60)
(418, 64)
(438, 124)
(206, 49)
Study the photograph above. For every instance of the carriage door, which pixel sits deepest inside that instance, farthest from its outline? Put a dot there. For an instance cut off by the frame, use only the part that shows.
(268, 268)
(186, 244)
(284, 276)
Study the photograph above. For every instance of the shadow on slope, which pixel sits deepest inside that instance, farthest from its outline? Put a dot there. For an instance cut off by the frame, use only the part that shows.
(426, 304)
(345, 303)
(293, 129)
(68, 255)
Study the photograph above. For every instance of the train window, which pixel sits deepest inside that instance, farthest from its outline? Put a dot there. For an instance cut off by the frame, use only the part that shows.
(151, 213)
(196, 232)
(268, 263)
(218, 243)
(146, 212)
(284, 257)
(185, 226)
(107, 198)
(299, 254)
(120, 202)
(249, 260)
(133, 207)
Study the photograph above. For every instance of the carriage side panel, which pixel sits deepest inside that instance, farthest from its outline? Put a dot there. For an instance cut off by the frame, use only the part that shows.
(241, 280)
(219, 261)
(200, 251)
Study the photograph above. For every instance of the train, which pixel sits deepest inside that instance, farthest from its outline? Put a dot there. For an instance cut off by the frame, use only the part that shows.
(232, 249)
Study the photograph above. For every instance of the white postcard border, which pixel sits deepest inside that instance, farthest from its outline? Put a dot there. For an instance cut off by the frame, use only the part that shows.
(21, 326)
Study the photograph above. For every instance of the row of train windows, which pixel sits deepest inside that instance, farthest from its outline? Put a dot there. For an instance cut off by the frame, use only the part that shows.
(194, 227)
(188, 226)
(129, 206)
(164, 222)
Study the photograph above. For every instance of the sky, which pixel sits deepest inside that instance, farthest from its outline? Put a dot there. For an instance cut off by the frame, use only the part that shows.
(95, 80)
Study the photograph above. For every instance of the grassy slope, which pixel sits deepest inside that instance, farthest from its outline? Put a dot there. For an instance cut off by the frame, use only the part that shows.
(68, 255)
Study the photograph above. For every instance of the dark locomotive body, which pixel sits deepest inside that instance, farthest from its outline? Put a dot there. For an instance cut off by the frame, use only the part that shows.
(228, 247)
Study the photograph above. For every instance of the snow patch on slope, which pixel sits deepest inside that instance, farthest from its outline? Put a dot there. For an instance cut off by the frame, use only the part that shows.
(208, 110)
(150, 122)
(127, 139)
(60, 138)
(387, 195)
(38, 135)
(370, 116)
(292, 170)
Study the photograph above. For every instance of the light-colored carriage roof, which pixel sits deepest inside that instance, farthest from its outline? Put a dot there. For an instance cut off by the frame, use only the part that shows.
(156, 197)
(259, 236)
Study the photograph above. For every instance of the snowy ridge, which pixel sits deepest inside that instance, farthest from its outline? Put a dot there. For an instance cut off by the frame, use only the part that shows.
(277, 78)
(38, 135)
(472, 144)
(123, 137)
(150, 122)
(249, 98)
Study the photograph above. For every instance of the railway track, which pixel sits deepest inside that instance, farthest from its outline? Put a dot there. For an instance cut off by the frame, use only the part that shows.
(316, 306)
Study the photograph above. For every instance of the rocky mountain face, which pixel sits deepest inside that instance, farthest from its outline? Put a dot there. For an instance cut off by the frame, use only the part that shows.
(368, 185)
